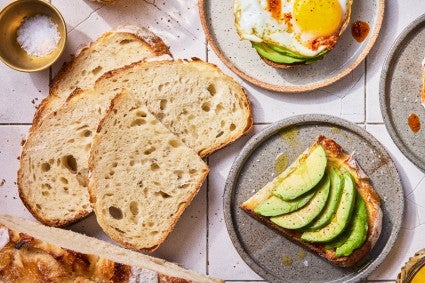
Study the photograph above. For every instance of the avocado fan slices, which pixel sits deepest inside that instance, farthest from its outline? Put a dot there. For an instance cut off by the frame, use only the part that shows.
(322, 211)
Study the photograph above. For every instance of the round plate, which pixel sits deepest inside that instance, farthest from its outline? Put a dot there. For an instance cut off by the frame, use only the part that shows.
(270, 254)
(400, 91)
(218, 23)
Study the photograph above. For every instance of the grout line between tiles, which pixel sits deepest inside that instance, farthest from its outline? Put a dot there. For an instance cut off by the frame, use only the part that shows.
(15, 124)
(207, 221)
(365, 90)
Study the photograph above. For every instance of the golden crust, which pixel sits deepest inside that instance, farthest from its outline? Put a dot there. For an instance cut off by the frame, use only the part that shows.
(363, 186)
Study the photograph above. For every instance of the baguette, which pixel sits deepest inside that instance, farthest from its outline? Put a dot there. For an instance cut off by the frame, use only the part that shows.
(142, 177)
(31, 252)
(110, 51)
(338, 157)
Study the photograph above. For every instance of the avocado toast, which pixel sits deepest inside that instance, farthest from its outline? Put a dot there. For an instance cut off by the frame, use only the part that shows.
(329, 204)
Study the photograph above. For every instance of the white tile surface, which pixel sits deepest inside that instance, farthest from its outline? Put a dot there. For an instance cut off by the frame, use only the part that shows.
(200, 240)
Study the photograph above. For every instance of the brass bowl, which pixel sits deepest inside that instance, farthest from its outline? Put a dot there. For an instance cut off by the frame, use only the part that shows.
(11, 18)
(414, 270)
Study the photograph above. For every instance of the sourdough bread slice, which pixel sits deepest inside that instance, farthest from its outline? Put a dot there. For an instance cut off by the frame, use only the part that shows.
(338, 158)
(110, 51)
(53, 173)
(31, 252)
(142, 177)
(194, 99)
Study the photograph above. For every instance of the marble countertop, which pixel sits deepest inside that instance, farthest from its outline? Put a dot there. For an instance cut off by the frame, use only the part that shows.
(200, 240)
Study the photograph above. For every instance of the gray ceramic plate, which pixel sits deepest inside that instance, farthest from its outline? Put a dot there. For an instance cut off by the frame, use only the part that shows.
(218, 23)
(273, 256)
(400, 91)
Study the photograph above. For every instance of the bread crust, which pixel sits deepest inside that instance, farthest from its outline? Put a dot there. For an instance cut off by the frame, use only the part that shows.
(367, 192)
(148, 39)
(30, 252)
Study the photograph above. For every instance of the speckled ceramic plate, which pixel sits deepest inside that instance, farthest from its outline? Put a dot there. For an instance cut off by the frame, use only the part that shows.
(400, 91)
(218, 23)
(270, 254)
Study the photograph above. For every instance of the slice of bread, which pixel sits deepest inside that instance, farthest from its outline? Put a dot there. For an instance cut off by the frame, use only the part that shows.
(52, 178)
(31, 252)
(53, 173)
(194, 99)
(110, 51)
(142, 177)
(338, 157)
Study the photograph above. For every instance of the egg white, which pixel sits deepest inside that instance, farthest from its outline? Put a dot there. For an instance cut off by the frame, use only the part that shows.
(255, 23)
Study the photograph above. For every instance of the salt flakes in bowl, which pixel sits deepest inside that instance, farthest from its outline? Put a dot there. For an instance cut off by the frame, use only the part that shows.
(38, 35)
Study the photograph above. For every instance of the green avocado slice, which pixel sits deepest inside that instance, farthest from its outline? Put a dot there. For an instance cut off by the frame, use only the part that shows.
(274, 206)
(337, 182)
(305, 177)
(357, 230)
(341, 217)
(302, 217)
(283, 55)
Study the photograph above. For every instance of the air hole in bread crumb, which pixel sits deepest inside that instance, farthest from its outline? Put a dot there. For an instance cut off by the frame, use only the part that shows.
(71, 141)
(125, 41)
(45, 193)
(115, 212)
(154, 166)
(140, 184)
(174, 143)
(206, 106)
(131, 162)
(232, 127)
(162, 104)
(141, 114)
(138, 122)
(96, 70)
(192, 171)
(69, 162)
(38, 206)
(212, 90)
(153, 233)
(66, 189)
(86, 133)
(45, 167)
(87, 147)
(179, 174)
(219, 134)
(114, 164)
(46, 186)
(154, 122)
(149, 150)
(134, 208)
(219, 108)
(150, 224)
(162, 194)
(63, 180)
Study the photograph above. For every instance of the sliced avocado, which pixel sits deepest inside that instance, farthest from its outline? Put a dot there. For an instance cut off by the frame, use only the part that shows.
(274, 206)
(305, 177)
(273, 55)
(357, 231)
(341, 217)
(302, 217)
(337, 182)
(283, 55)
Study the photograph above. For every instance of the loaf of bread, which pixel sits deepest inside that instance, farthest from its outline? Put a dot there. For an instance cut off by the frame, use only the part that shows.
(338, 158)
(194, 99)
(197, 102)
(30, 252)
(112, 50)
(142, 177)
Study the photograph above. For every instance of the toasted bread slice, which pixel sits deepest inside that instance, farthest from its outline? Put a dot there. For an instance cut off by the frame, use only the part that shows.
(142, 177)
(112, 50)
(339, 159)
(31, 252)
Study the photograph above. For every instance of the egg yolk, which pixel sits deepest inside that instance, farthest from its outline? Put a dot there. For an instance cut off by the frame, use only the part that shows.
(318, 17)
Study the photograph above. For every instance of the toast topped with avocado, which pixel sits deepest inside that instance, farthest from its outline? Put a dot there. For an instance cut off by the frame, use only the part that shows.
(323, 201)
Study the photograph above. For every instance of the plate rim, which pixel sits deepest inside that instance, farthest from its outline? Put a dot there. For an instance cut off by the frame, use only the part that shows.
(291, 89)
(383, 89)
(264, 135)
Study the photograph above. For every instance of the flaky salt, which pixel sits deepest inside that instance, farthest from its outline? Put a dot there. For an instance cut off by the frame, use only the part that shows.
(38, 35)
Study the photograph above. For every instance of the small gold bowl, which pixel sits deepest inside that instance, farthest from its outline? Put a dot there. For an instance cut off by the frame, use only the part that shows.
(11, 17)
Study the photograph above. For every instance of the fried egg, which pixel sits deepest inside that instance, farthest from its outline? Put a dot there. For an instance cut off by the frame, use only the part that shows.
(305, 27)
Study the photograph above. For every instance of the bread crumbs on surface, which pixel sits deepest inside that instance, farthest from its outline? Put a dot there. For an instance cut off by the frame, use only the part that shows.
(2, 182)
